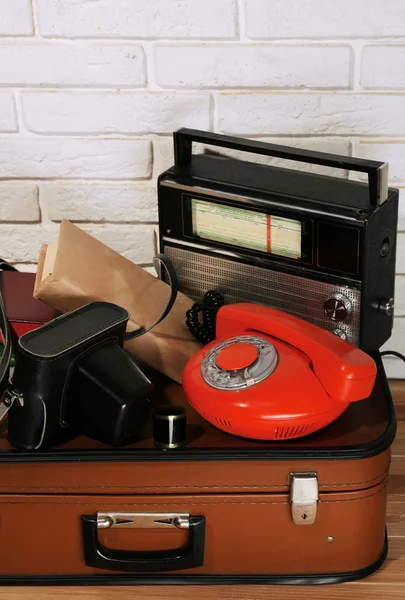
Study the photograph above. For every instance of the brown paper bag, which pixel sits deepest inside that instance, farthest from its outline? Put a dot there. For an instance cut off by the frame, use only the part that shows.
(76, 269)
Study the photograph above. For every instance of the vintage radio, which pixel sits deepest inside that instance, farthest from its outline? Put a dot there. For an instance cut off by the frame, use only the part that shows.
(321, 248)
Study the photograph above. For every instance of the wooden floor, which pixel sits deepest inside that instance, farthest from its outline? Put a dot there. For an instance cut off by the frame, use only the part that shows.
(387, 584)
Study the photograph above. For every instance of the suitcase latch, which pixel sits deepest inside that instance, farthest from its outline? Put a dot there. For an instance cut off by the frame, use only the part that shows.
(107, 520)
(304, 497)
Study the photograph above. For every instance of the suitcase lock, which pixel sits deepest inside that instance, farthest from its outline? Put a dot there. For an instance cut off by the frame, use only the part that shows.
(304, 497)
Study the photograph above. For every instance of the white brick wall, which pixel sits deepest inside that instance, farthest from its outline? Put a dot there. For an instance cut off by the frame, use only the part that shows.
(311, 19)
(72, 64)
(19, 202)
(393, 152)
(313, 114)
(16, 17)
(109, 112)
(401, 216)
(401, 254)
(154, 19)
(121, 202)
(73, 158)
(21, 243)
(92, 90)
(251, 66)
(8, 117)
(376, 73)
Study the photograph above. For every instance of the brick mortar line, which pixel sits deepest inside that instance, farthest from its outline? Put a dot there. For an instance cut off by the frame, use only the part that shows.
(383, 139)
(34, 14)
(39, 39)
(139, 90)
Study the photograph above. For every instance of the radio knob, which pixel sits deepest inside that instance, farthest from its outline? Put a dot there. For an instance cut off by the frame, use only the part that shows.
(340, 333)
(337, 307)
(387, 307)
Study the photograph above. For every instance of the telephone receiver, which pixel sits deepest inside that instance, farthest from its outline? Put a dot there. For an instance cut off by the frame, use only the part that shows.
(271, 375)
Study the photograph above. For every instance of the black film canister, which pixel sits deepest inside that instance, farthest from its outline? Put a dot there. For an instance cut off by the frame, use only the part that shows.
(169, 426)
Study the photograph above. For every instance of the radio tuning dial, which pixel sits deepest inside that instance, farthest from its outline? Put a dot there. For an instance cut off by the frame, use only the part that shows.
(337, 307)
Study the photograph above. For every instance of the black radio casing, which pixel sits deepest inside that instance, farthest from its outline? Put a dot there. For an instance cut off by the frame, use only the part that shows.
(349, 231)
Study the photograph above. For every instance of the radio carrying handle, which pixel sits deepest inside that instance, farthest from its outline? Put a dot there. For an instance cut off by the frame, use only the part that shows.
(377, 171)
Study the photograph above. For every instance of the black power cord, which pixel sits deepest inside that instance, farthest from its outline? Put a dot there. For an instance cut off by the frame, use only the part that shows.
(393, 353)
(204, 331)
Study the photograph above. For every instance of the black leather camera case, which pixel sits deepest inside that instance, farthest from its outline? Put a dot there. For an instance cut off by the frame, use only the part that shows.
(47, 363)
(108, 397)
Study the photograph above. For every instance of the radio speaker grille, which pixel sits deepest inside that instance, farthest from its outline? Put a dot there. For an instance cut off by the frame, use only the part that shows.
(302, 297)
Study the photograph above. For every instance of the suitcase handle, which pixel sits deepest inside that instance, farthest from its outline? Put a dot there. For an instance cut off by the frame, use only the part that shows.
(188, 556)
(377, 171)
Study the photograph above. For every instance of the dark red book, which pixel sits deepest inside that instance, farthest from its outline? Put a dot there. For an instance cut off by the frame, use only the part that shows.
(23, 311)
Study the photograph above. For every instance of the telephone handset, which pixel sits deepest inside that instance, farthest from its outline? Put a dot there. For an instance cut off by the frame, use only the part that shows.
(270, 375)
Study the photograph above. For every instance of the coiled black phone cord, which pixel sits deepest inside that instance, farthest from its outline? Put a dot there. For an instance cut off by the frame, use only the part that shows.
(204, 331)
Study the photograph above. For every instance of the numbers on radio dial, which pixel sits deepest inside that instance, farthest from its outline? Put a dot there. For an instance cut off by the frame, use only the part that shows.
(338, 307)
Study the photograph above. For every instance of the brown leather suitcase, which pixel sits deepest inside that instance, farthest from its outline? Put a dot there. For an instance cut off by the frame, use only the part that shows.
(219, 510)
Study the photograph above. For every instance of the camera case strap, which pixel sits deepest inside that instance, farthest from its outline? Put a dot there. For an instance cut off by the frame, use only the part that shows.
(7, 349)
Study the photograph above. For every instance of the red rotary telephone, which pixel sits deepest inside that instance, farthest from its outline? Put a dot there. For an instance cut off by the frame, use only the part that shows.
(269, 375)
